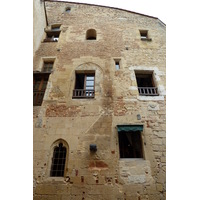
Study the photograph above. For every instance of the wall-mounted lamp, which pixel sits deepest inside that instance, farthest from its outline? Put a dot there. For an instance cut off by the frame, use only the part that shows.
(93, 147)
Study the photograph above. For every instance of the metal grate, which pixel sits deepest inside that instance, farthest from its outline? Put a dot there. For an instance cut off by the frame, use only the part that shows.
(58, 161)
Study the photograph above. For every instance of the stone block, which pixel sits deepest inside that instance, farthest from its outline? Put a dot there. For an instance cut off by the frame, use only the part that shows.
(159, 187)
(137, 179)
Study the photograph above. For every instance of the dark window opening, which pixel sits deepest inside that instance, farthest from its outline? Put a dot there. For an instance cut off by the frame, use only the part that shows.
(144, 35)
(48, 66)
(91, 34)
(58, 161)
(130, 144)
(68, 9)
(52, 35)
(146, 84)
(55, 28)
(144, 80)
(84, 86)
(117, 64)
(40, 81)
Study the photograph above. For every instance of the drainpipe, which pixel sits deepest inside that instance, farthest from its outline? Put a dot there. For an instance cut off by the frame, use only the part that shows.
(45, 13)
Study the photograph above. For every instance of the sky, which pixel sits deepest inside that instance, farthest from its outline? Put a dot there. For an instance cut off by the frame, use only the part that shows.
(155, 8)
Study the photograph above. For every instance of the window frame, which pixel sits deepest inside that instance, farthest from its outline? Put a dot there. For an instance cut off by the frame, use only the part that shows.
(38, 93)
(52, 171)
(47, 68)
(83, 92)
(151, 90)
(140, 132)
(49, 163)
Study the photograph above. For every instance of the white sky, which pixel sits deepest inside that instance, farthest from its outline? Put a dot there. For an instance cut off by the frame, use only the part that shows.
(155, 8)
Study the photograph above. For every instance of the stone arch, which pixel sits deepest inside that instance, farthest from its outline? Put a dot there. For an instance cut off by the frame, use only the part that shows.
(91, 34)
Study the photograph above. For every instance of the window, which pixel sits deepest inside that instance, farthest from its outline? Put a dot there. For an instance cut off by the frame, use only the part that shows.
(130, 141)
(48, 66)
(58, 161)
(91, 34)
(144, 35)
(52, 35)
(145, 83)
(67, 10)
(84, 85)
(39, 86)
(40, 80)
(117, 64)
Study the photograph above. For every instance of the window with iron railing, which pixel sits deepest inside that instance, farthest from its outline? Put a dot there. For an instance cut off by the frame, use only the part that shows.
(84, 85)
(145, 83)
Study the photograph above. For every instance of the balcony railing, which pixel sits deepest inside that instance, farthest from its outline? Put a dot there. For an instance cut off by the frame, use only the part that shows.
(148, 91)
(38, 97)
(80, 93)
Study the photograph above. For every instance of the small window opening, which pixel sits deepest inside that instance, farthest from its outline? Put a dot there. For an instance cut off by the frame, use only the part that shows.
(84, 85)
(91, 34)
(130, 144)
(117, 64)
(67, 10)
(144, 35)
(58, 161)
(52, 35)
(48, 66)
(146, 84)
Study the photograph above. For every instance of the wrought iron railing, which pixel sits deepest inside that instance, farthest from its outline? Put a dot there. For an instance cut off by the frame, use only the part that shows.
(38, 97)
(148, 91)
(80, 93)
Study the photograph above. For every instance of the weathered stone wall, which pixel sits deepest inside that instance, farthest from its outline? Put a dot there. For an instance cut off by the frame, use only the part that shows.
(39, 23)
(80, 122)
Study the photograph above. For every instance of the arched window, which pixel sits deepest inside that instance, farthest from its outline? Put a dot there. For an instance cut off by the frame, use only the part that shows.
(58, 161)
(91, 34)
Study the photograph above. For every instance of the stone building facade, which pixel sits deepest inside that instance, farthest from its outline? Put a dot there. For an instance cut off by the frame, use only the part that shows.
(99, 104)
